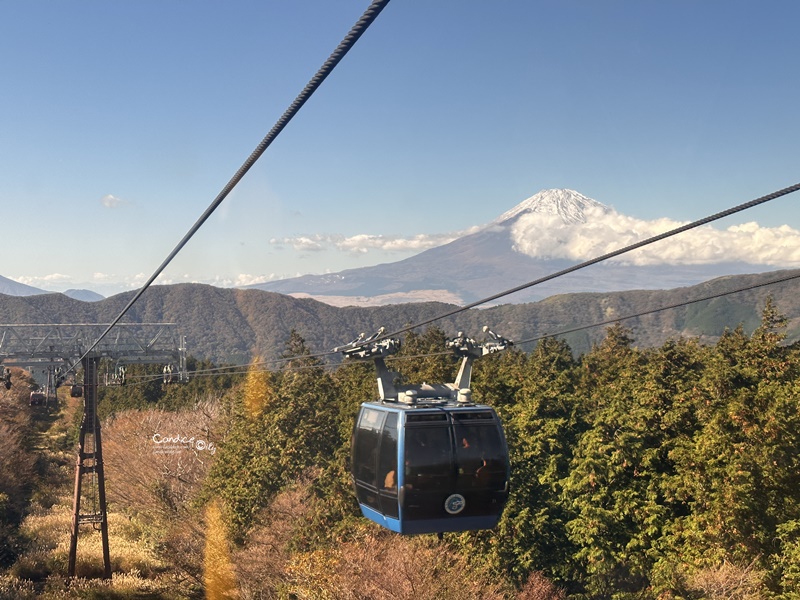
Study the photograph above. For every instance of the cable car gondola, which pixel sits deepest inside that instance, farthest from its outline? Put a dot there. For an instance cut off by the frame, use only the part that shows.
(425, 458)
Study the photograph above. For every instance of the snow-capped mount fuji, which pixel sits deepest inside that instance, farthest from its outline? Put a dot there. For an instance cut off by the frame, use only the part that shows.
(492, 260)
(570, 205)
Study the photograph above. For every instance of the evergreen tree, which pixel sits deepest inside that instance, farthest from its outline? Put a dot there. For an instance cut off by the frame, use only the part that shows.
(741, 476)
(540, 428)
(424, 358)
(605, 490)
(264, 452)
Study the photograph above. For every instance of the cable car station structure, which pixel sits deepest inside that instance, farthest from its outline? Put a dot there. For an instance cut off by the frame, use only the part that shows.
(58, 349)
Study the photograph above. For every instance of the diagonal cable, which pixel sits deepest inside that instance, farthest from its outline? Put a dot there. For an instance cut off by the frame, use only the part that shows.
(663, 308)
(336, 56)
(637, 245)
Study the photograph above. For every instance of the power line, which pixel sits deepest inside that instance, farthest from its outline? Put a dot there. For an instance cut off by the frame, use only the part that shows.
(248, 368)
(232, 369)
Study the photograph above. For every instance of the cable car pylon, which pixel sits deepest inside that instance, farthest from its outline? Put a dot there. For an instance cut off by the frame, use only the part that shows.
(37, 346)
(90, 462)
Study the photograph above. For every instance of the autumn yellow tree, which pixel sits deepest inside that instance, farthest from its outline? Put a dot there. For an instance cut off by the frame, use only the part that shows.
(258, 390)
(218, 575)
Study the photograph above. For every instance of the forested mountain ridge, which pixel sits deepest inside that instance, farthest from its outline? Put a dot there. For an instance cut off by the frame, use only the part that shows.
(229, 325)
(637, 474)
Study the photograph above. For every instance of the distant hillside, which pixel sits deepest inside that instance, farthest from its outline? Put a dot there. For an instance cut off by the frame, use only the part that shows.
(85, 295)
(227, 325)
(9, 287)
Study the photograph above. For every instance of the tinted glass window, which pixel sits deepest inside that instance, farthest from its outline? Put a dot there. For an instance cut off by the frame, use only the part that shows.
(387, 459)
(426, 417)
(472, 415)
(428, 460)
(387, 467)
(365, 445)
(481, 455)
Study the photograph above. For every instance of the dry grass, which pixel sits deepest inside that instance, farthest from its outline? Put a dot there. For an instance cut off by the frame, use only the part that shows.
(156, 461)
(729, 582)
(139, 570)
(47, 550)
(377, 565)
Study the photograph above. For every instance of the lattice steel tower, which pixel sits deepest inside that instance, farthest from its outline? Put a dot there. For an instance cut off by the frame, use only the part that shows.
(51, 346)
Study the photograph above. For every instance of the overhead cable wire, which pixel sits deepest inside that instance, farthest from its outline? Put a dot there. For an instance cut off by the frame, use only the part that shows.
(336, 56)
(661, 309)
(598, 259)
(245, 369)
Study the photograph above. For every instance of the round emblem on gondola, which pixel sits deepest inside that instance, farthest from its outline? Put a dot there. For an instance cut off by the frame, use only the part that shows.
(455, 504)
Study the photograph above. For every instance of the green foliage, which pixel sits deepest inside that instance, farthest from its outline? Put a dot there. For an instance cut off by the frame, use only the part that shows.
(144, 387)
(264, 453)
(636, 473)
(425, 358)
(539, 422)
(653, 473)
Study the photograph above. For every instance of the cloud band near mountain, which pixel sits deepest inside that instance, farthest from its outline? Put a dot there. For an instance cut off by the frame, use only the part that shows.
(365, 242)
(547, 236)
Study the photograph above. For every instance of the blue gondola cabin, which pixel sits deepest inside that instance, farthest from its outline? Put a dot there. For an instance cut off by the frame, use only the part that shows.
(425, 458)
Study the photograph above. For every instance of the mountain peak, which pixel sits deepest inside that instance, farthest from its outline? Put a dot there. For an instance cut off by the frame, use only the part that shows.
(568, 204)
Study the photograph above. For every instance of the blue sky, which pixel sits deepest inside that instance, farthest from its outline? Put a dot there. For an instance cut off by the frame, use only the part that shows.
(123, 120)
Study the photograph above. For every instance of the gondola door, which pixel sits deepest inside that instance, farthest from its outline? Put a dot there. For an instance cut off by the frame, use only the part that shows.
(374, 466)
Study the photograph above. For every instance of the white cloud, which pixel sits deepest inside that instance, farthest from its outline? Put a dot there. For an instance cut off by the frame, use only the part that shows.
(53, 279)
(546, 236)
(303, 243)
(244, 279)
(110, 201)
(366, 242)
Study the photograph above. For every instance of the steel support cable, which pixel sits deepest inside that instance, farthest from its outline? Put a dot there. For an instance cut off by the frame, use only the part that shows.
(662, 308)
(210, 372)
(593, 261)
(251, 367)
(336, 56)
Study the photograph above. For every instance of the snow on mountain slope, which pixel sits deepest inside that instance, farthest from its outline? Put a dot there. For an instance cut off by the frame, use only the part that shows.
(570, 205)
